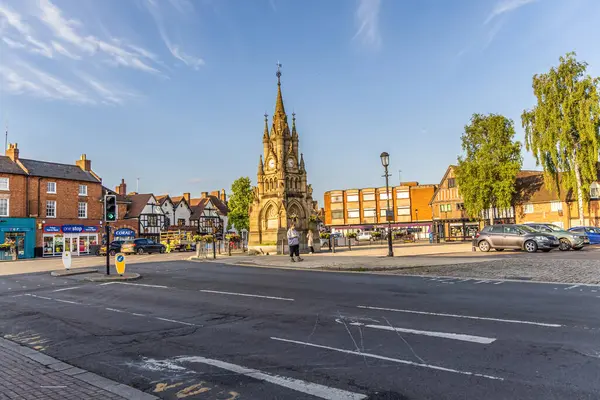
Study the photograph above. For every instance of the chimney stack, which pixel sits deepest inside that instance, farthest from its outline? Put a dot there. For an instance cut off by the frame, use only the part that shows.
(84, 163)
(122, 188)
(204, 195)
(223, 196)
(186, 196)
(13, 151)
(215, 193)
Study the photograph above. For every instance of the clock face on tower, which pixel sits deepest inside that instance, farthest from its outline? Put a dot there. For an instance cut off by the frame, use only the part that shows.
(291, 163)
(271, 163)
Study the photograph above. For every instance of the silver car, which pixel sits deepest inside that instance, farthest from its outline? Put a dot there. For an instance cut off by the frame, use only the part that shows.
(517, 237)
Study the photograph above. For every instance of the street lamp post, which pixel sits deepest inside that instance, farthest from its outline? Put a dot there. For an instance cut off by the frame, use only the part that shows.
(385, 161)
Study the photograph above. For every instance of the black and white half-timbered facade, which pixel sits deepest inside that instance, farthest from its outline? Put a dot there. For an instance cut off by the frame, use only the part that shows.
(151, 217)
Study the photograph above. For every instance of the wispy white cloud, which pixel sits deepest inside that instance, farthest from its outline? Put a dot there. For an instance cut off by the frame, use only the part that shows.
(174, 49)
(13, 44)
(62, 50)
(13, 19)
(13, 82)
(367, 23)
(108, 94)
(183, 6)
(23, 78)
(67, 30)
(506, 6)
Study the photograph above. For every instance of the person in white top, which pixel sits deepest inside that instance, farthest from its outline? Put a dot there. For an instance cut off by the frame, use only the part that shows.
(294, 243)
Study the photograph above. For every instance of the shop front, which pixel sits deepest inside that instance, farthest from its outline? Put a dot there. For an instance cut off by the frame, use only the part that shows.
(18, 236)
(123, 234)
(74, 238)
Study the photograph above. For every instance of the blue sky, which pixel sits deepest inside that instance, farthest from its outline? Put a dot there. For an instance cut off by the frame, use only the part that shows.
(173, 91)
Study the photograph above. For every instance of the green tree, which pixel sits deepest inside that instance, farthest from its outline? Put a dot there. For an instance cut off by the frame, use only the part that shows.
(562, 130)
(239, 203)
(488, 169)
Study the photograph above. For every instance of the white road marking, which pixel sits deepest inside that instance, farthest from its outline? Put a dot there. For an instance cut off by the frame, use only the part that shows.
(445, 335)
(313, 389)
(68, 301)
(478, 282)
(39, 297)
(113, 309)
(498, 283)
(68, 288)
(138, 315)
(135, 284)
(176, 322)
(512, 321)
(396, 360)
(53, 387)
(571, 287)
(247, 295)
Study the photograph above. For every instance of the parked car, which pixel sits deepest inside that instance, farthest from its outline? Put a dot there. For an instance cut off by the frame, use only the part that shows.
(113, 248)
(364, 236)
(591, 232)
(568, 240)
(512, 236)
(141, 246)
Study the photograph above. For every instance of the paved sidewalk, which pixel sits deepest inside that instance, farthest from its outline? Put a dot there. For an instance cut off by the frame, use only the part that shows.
(30, 375)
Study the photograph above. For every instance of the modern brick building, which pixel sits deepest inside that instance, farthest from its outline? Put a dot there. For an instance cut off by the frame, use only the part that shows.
(47, 207)
(365, 209)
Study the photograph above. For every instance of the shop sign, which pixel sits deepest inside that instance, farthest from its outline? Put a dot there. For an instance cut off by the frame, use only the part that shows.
(90, 229)
(124, 232)
(51, 228)
(72, 228)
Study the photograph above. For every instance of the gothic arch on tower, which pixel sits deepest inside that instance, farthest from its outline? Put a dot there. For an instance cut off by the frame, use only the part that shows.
(270, 216)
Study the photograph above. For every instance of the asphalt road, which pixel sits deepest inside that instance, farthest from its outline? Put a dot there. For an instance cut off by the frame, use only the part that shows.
(208, 331)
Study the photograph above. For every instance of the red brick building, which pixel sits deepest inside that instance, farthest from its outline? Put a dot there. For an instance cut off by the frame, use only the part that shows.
(63, 201)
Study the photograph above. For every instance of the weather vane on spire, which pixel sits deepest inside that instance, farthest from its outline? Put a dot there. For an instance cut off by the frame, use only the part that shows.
(278, 74)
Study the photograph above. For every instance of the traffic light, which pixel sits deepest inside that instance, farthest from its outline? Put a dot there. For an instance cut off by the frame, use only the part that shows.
(110, 208)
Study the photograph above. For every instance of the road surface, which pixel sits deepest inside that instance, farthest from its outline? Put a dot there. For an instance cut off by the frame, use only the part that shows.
(192, 330)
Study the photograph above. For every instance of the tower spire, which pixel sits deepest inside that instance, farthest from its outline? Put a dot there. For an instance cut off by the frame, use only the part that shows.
(261, 170)
(302, 162)
(266, 134)
(279, 109)
(294, 133)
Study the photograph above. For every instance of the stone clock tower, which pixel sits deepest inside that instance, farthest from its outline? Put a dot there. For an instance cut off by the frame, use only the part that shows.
(282, 195)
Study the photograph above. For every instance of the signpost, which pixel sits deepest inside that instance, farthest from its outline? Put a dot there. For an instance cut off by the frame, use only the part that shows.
(66, 259)
(120, 263)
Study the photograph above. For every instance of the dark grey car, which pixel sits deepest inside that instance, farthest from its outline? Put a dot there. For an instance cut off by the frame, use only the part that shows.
(512, 236)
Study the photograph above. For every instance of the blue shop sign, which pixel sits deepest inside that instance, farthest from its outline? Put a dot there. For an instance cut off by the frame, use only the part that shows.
(72, 228)
(124, 232)
(51, 228)
(90, 229)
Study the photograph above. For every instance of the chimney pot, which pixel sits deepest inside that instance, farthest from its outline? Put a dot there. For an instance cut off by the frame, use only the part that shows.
(204, 195)
(84, 163)
(186, 196)
(13, 151)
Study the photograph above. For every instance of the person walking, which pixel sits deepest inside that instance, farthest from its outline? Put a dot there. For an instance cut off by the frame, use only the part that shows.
(294, 243)
(309, 238)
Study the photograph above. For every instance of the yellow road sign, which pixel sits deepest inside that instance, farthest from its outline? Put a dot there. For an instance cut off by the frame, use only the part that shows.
(120, 263)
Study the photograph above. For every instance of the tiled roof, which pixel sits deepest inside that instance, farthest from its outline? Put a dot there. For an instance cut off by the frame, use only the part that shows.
(198, 208)
(162, 198)
(8, 166)
(221, 206)
(531, 188)
(55, 170)
(120, 199)
(196, 201)
(176, 199)
(138, 202)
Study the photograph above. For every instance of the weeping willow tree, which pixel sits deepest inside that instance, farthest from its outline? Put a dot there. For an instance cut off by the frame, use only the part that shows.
(563, 129)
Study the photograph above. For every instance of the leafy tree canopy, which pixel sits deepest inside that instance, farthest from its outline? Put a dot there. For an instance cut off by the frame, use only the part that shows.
(239, 203)
(487, 171)
(562, 130)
